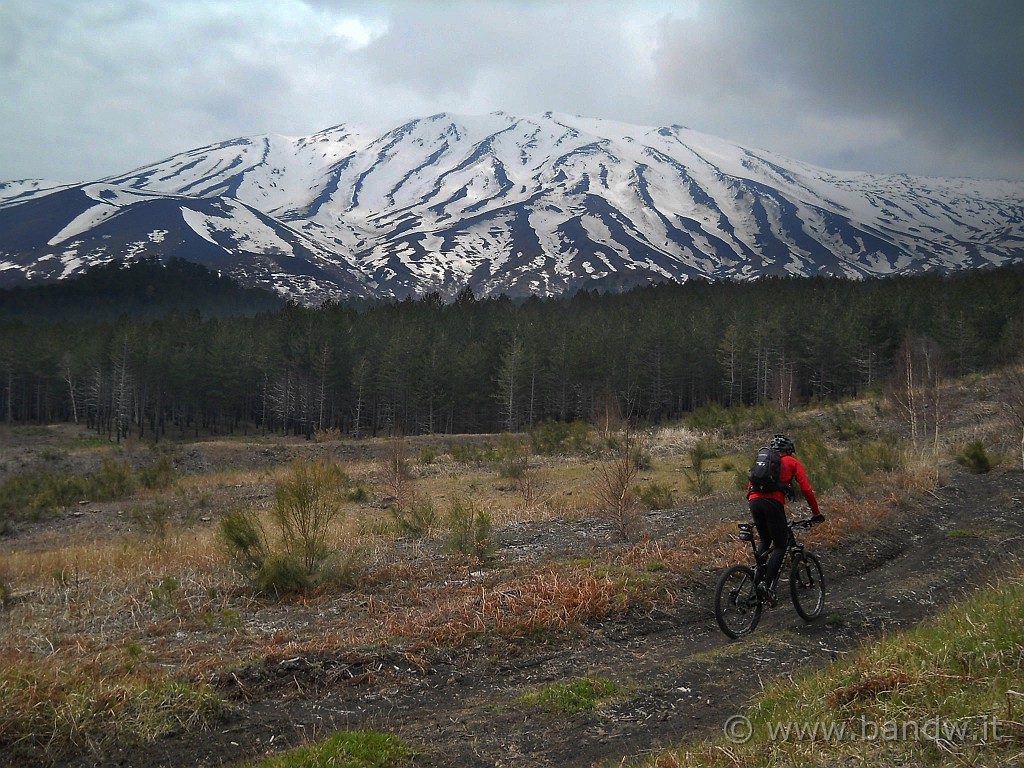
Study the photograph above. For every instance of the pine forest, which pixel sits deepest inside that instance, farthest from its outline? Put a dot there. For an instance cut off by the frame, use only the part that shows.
(472, 365)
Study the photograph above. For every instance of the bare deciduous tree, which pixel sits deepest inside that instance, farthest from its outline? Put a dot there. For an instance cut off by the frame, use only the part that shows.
(916, 389)
(395, 474)
(616, 492)
(509, 381)
(123, 391)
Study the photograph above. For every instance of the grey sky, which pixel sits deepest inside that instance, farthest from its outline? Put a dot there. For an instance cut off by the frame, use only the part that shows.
(96, 87)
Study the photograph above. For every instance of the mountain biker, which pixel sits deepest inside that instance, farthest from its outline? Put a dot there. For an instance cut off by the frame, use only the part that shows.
(768, 508)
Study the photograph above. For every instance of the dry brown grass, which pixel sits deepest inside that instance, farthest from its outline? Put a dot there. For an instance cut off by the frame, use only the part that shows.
(674, 441)
(554, 598)
(713, 547)
(847, 516)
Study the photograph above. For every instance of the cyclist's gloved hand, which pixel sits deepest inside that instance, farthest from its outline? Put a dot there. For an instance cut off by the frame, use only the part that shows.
(818, 519)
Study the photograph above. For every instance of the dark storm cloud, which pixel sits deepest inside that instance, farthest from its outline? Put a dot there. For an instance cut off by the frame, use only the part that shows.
(952, 72)
(919, 80)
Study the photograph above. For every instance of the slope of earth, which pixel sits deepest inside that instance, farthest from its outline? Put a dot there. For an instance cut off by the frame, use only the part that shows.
(680, 677)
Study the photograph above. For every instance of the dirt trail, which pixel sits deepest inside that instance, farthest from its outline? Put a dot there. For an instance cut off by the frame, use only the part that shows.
(682, 678)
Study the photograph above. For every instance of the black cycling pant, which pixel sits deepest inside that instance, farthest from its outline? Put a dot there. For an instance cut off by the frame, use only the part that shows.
(770, 518)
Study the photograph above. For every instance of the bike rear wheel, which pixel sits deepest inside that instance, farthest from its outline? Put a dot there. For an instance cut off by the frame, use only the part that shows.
(737, 606)
(807, 585)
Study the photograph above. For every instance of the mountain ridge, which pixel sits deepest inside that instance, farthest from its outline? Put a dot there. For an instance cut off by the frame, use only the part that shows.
(505, 204)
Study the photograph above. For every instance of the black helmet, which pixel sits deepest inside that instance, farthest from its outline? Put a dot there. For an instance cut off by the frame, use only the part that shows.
(783, 444)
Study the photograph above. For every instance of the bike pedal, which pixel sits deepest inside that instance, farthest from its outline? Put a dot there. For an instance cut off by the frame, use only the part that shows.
(766, 595)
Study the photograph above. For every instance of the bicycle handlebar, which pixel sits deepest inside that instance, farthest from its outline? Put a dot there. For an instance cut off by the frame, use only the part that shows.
(807, 523)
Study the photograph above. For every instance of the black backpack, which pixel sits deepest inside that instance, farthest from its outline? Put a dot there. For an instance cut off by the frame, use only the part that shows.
(764, 474)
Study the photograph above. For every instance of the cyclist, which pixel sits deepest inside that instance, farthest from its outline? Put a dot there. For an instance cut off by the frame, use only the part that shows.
(768, 508)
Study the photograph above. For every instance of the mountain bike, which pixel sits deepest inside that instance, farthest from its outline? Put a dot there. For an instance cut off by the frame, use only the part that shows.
(738, 602)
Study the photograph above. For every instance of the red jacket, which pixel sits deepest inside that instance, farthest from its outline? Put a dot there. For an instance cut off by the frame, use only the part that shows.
(791, 469)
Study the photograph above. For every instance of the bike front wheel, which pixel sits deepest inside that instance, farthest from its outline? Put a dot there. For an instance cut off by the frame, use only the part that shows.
(807, 585)
(737, 606)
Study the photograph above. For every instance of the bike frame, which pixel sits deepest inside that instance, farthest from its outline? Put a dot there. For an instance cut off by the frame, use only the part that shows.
(794, 548)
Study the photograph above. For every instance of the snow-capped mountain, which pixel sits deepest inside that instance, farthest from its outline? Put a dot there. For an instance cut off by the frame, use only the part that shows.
(504, 204)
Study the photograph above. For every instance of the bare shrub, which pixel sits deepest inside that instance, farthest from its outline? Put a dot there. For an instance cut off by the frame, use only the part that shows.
(528, 487)
(916, 389)
(616, 495)
(513, 462)
(396, 475)
(328, 435)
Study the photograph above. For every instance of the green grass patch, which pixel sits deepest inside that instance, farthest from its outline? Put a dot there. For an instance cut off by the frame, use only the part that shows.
(965, 533)
(346, 749)
(835, 621)
(471, 453)
(585, 694)
(739, 419)
(88, 441)
(30, 430)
